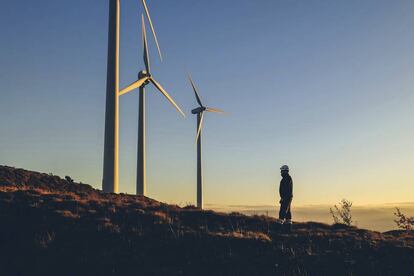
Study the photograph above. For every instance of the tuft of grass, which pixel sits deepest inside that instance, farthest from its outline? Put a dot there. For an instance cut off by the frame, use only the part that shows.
(67, 214)
(44, 240)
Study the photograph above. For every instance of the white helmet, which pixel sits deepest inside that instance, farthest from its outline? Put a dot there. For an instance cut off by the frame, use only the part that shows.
(284, 168)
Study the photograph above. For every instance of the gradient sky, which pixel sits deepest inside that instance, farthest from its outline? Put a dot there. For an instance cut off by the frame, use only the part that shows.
(323, 86)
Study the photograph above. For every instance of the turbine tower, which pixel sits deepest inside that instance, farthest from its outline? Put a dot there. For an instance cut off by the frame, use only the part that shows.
(200, 115)
(111, 143)
(144, 78)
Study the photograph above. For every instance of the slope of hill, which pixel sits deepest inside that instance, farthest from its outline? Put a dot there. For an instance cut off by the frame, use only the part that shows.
(51, 226)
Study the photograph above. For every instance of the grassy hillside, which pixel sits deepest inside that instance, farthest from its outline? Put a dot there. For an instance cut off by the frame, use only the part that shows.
(51, 226)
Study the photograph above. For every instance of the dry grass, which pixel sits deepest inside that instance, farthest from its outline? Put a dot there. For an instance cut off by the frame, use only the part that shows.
(49, 216)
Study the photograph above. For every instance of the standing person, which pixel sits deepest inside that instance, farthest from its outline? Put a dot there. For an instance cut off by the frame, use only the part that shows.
(286, 194)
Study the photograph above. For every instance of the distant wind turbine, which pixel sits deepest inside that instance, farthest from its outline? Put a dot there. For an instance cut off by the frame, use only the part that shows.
(200, 115)
(144, 78)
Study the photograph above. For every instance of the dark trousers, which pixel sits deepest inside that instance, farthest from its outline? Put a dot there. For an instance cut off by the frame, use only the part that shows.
(284, 211)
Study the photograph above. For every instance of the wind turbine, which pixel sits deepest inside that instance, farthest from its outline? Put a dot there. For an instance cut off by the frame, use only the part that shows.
(200, 115)
(144, 78)
(111, 143)
(110, 180)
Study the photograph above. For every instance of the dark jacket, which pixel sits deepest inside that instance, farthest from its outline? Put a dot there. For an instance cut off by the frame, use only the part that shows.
(286, 187)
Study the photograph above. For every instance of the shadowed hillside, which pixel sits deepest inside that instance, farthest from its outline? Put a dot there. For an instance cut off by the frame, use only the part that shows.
(51, 226)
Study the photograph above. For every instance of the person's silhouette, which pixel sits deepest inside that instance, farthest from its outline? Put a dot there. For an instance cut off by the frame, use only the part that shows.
(286, 195)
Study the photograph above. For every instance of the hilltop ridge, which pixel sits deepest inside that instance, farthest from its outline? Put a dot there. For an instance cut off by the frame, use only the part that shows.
(54, 226)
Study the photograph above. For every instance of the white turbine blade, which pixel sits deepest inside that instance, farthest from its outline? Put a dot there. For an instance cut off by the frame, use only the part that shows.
(195, 90)
(145, 44)
(215, 110)
(152, 27)
(162, 90)
(132, 86)
(199, 127)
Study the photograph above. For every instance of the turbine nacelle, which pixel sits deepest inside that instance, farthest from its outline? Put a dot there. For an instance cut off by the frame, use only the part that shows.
(198, 110)
(143, 74)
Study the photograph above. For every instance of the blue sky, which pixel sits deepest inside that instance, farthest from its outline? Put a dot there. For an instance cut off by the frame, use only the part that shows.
(324, 86)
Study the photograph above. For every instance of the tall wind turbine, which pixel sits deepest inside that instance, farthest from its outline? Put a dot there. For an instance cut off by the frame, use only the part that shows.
(144, 78)
(110, 164)
(200, 115)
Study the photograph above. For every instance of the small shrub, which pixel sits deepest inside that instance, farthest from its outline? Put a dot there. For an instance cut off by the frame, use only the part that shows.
(402, 221)
(342, 214)
(69, 179)
(190, 207)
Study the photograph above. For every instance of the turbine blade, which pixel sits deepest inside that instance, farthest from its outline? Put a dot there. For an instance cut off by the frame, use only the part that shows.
(152, 27)
(145, 44)
(209, 109)
(199, 127)
(162, 90)
(132, 86)
(195, 90)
